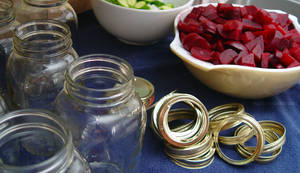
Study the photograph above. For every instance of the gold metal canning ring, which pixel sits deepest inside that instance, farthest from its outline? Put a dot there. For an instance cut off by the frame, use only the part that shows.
(267, 125)
(197, 163)
(192, 151)
(270, 137)
(259, 135)
(219, 113)
(236, 139)
(201, 124)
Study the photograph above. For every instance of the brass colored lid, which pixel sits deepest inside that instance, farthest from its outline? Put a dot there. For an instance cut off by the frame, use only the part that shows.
(145, 90)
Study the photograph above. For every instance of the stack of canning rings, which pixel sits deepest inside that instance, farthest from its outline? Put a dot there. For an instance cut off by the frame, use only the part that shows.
(192, 145)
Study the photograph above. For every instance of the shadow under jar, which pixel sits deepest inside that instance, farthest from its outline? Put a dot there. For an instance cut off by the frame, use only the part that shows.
(7, 25)
(34, 141)
(59, 10)
(104, 113)
(35, 69)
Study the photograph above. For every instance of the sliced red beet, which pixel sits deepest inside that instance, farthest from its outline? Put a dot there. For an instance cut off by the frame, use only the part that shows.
(219, 20)
(216, 57)
(237, 45)
(251, 9)
(250, 25)
(257, 51)
(287, 59)
(195, 40)
(219, 46)
(233, 35)
(279, 19)
(263, 39)
(201, 54)
(247, 60)
(227, 56)
(258, 40)
(265, 60)
(227, 11)
(247, 37)
(187, 28)
(208, 25)
(294, 64)
(210, 12)
(295, 52)
(244, 11)
(262, 17)
(231, 25)
(241, 54)
(268, 34)
(278, 54)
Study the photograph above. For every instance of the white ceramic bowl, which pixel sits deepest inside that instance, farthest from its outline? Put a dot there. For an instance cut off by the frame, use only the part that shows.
(135, 26)
(236, 80)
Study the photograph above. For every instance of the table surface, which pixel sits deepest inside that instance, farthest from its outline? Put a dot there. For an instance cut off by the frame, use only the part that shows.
(167, 73)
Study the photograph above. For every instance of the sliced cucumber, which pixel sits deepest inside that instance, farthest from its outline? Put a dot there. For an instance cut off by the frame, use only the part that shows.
(164, 7)
(131, 3)
(123, 3)
(170, 5)
(142, 5)
(158, 3)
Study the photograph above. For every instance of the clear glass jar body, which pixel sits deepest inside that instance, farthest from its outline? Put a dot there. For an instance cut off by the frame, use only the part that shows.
(7, 25)
(3, 107)
(59, 10)
(35, 69)
(104, 113)
(37, 141)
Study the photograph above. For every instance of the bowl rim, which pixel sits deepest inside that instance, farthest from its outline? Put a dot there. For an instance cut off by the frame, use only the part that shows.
(187, 4)
(184, 55)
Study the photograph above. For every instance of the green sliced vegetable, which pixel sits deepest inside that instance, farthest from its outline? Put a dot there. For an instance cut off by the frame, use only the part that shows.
(142, 5)
(123, 3)
(158, 3)
(170, 5)
(164, 7)
(131, 3)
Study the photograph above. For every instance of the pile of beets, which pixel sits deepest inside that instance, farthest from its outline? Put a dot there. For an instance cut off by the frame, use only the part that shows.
(248, 36)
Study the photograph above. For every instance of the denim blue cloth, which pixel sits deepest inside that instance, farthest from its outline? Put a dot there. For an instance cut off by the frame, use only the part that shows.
(167, 72)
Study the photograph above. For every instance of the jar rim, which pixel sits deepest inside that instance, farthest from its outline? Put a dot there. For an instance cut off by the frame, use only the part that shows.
(6, 10)
(20, 35)
(45, 3)
(66, 148)
(99, 57)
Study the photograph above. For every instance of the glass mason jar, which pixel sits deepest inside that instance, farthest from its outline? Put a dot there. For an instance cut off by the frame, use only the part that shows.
(37, 141)
(47, 9)
(104, 113)
(35, 69)
(7, 25)
(3, 107)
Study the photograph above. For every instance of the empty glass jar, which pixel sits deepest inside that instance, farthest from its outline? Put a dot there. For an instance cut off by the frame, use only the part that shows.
(47, 9)
(104, 113)
(34, 141)
(35, 69)
(7, 25)
(3, 107)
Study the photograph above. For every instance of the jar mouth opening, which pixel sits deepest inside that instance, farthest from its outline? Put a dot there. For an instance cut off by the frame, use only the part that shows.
(25, 31)
(6, 12)
(102, 63)
(47, 37)
(13, 129)
(45, 3)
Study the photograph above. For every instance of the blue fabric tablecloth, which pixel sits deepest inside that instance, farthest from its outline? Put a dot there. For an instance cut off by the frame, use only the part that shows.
(166, 71)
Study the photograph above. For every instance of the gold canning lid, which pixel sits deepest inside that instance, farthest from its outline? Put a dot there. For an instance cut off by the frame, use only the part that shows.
(145, 90)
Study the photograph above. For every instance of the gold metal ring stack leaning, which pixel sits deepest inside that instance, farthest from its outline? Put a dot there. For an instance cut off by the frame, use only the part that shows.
(192, 145)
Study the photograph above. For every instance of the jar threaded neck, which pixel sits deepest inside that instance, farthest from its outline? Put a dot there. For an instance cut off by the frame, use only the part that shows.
(6, 12)
(42, 39)
(40, 136)
(99, 80)
(45, 3)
